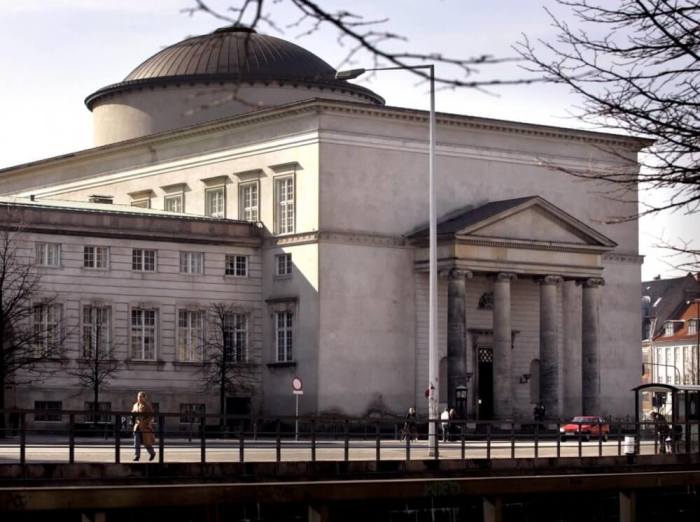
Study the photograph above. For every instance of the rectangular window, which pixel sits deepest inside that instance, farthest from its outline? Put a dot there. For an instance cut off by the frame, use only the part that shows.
(236, 337)
(174, 203)
(283, 336)
(48, 254)
(96, 329)
(48, 411)
(143, 260)
(142, 203)
(284, 205)
(237, 265)
(693, 327)
(191, 262)
(283, 266)
(143, 334)
(215, 202)
(103, 409)
(189, 335)
(95, 256)
(191, 412)
(668, 329)
(47, 328)
(248, 201)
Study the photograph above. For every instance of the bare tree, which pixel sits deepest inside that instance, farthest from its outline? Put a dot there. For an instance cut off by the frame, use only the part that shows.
(97, 364)
(359, 35)
(225, 347)
(635, 65)
(31, 324)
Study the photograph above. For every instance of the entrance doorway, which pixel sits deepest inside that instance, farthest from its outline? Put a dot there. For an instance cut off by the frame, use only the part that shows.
(485, 392)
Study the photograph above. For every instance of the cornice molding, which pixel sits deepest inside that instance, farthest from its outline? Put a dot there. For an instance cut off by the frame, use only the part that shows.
(615, 257)
(346, 237)
(463, 151)
(319, 105)
(532, 245)
(193, 161)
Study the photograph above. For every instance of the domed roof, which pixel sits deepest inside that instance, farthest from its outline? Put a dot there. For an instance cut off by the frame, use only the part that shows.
(233, 54)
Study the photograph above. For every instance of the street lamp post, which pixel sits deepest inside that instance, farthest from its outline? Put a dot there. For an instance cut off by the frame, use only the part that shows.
(697, 342)
(433, 361)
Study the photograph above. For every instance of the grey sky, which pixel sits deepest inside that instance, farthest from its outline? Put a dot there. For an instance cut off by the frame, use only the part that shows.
(56, 52)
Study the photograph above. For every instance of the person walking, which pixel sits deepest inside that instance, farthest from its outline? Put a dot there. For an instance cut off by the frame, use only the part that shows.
(142, 417)
(444, 423)
(409, 426)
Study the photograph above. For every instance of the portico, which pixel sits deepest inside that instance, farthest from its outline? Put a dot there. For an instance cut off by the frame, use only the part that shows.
(529, 262)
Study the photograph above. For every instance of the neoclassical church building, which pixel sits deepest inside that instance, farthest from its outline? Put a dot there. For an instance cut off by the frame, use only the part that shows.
(234, 168)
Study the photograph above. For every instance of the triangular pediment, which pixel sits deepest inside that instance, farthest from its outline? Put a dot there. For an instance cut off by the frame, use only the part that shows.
(524, 220)
(534, 220)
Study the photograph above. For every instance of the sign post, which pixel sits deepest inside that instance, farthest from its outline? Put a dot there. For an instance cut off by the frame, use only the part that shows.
(297, 390)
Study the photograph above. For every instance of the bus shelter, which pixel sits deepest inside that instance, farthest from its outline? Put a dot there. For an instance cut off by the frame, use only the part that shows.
(677, 403)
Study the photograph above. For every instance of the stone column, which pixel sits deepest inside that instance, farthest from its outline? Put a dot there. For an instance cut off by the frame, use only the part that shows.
(456, 332)
(502, 346)
(550, 365)
(590, 360)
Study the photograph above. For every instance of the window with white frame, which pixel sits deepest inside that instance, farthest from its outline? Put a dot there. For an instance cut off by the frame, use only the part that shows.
(191, 262)
(48, 254)
(283, 265)
(237, 265)
(190, 324)
(48, 411)
(95, 256)
(692, 327)
(47, 328)
(96, 330)
(284, 205)
(143, 260)
(668, 329)
(248, 201)
(174, 203)
(235, 330)
(143, 333)
(283, 335)
(215, 202)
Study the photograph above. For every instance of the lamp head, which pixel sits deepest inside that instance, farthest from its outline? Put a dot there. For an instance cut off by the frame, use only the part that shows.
(349, 74)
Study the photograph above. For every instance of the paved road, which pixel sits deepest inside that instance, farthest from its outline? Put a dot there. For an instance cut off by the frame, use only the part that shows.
(48, 449)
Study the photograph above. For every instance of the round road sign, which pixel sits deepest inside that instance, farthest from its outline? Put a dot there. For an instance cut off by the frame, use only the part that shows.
(297, 385)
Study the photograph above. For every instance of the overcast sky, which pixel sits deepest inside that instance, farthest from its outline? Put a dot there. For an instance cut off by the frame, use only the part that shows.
(56, 52)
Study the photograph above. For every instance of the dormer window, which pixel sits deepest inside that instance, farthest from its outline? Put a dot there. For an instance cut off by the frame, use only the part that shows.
(692, 327)
(668, 329)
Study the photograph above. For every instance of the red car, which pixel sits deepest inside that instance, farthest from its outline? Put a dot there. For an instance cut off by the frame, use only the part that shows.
(585, 427)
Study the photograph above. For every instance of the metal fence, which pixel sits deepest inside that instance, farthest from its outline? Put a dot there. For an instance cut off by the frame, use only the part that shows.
(36, 436)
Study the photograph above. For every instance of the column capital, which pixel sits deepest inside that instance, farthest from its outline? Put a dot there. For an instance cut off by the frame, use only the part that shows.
(505, 276)
(551, 280)
(455, 273)
(593, 282)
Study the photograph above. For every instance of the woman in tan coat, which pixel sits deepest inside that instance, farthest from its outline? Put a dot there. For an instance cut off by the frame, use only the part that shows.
(142, 416)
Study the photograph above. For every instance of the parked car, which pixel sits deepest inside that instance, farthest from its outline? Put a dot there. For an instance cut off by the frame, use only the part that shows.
(585, 427)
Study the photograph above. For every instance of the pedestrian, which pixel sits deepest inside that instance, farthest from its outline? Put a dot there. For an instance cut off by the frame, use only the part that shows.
(444, 423)
(142, 418)
(452, 428)
(539, 412)
(409, 427)
(662, 432)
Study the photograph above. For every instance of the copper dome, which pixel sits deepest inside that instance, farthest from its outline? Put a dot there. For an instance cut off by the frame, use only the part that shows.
(233, 54)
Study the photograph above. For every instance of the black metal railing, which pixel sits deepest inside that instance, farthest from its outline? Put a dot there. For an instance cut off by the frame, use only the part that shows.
(35, 436)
